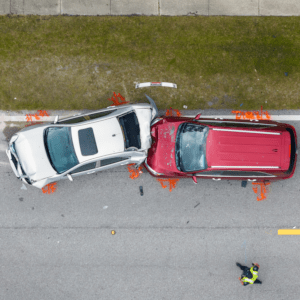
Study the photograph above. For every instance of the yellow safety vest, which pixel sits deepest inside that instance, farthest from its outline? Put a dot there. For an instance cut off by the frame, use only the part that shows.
(254, 274)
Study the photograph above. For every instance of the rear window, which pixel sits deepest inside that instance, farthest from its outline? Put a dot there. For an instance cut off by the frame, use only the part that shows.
(131, 130)
(293, 151)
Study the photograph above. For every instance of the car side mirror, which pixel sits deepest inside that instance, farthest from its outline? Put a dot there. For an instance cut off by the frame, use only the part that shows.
(198, 117)
(195, 179)
(69, 177)
(56, 120)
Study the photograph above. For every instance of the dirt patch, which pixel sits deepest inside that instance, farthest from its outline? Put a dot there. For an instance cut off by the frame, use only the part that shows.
(9, 130)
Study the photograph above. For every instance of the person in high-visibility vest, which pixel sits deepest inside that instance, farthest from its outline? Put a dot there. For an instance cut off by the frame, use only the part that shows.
(249, 275)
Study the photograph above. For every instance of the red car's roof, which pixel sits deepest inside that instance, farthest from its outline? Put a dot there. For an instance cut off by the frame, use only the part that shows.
(247, 148)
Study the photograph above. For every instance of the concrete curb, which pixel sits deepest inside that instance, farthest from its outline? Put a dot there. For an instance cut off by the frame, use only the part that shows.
(33, 116)
(152, 7)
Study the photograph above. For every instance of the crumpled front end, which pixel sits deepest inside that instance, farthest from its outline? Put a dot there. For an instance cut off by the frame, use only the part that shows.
(144, 117)
(28, 158)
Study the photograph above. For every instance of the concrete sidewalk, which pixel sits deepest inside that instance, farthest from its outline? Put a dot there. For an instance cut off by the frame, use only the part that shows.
(152, 7)
(49, 116)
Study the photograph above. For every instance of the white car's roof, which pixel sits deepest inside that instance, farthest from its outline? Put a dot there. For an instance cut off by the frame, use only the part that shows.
(108, 136)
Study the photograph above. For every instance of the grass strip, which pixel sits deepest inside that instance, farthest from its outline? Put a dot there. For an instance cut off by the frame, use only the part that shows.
(77, 62)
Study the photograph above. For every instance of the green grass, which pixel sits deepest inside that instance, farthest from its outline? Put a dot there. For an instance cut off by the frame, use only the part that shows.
(69, 62)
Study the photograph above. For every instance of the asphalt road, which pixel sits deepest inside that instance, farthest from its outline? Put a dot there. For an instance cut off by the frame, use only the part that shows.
(168, 245)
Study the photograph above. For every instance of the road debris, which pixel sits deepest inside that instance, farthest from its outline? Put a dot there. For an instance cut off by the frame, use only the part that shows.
(141, 191)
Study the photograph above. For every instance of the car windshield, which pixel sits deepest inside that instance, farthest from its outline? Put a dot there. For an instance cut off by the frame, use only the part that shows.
(59, 148)
(131, 130)
(191, 147)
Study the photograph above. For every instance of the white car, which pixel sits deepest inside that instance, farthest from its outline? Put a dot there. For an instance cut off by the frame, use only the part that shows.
(82, 144)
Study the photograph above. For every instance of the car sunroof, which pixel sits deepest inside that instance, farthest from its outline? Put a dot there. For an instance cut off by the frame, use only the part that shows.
(87, 142)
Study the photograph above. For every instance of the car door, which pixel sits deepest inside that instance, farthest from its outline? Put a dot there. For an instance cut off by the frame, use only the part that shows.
(251, 176)
(112, 162)
(88, 168)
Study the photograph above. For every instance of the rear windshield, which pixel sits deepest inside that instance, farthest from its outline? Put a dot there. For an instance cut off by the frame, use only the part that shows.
(131, 130)
(191, 147)
(59, 148)
(293, 151)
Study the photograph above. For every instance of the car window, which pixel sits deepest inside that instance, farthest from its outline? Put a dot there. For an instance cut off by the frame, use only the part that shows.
(109, 161)
(59, 148)
(293, 151)
(85, 167)
(190, 147)
(73, 120)
(91, 116)
(252, 124)
(131, 130)
(98, 114)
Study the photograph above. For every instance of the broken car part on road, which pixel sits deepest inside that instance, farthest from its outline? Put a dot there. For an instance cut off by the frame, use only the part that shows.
(146, 84)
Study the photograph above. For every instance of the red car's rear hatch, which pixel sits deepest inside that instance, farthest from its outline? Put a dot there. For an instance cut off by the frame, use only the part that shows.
(261, 150)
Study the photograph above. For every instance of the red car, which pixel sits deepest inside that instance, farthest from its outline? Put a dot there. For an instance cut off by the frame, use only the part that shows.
(218, 149)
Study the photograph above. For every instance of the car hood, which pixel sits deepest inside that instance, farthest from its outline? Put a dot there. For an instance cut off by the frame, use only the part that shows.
(144, 116)
(161, 156)
(32, 154)
(244, 148)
